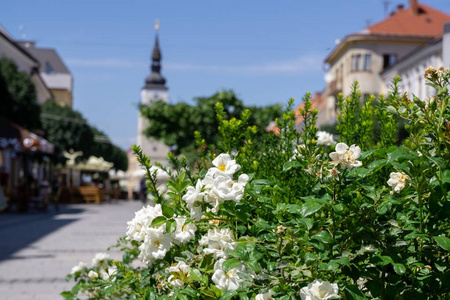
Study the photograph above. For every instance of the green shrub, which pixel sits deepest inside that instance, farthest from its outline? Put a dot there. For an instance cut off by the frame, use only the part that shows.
(293, 216)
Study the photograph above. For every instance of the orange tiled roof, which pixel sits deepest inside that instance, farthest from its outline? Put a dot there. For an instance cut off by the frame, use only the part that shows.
(425, 22)
(318, 102)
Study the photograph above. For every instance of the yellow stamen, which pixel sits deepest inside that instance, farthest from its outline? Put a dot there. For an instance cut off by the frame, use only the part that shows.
(221, 167)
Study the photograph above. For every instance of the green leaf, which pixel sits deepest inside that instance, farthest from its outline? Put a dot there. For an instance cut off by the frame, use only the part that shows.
(291, 164)
(310, 257)
(158, 221)
(262, 182)
(67, 295)
(353, 293)
(443, 242)
(400, 269)
(231, 263)
(310, 207)
(398, 154)
(171, 226)
(167, 211)
(324, 237)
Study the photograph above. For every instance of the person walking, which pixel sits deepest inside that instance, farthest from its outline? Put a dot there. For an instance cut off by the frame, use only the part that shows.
(143, 190)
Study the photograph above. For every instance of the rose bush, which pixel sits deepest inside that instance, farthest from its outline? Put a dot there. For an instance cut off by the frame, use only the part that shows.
(295, 216)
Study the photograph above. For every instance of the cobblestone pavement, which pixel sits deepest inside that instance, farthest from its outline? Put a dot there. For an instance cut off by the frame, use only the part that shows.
(38, 249)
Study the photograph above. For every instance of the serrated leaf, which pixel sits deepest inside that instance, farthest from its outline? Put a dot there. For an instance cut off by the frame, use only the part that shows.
(291, 164)
(158, 221)
(310, 207)
(443, 242)
(171, 226)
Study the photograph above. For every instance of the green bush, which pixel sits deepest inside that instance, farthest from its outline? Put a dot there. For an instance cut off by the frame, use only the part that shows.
(295, 216)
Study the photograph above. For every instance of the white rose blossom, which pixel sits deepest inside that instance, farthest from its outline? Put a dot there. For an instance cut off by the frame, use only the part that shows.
(346, 156)
(177, 273)
(324, 138)
(156, 245)
(184, 232)
(106, 275)
(318, 290)
(265, 296)
(193, 197)
(92, 274)
(80, 267)
(397, 181)
(217, 242)
(99, 258)
(142, 220)
(217, 186)
(229, 281)
(224, 164)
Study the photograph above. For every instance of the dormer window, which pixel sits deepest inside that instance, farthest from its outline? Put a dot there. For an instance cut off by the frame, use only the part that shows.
(48, 68)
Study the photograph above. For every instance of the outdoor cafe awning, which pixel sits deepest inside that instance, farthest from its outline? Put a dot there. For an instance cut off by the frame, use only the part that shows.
(22, 140)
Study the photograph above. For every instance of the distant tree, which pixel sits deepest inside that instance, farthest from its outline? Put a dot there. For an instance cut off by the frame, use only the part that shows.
(175, 124)
(102, 147)
(18, 96)
(66, 128)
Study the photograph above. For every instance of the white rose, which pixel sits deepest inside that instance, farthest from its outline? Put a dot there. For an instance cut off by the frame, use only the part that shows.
(156, 245)
(99, 258)
(229, 281)
(397, 181)
(345, 156)
(218, 241)
(324, 138)
(265, 296)
(225, 165)
(318, 290)
(184, 233)
(192, 197)
(178, 272)
(92, 274)
(142, 220)
(81, 266)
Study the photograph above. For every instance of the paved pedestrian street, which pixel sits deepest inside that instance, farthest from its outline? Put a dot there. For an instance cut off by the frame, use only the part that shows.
(38, 249)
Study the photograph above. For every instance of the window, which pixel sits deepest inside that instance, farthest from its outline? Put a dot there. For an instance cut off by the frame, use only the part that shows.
(389, 60)
(48, 68)
(367, 62)
(356, 62)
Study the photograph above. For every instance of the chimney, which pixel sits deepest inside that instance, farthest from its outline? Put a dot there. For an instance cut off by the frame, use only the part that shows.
(446, 46)
(414, 6)
(400, 7)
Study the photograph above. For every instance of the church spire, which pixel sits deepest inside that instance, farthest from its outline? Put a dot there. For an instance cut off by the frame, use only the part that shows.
(155, 80)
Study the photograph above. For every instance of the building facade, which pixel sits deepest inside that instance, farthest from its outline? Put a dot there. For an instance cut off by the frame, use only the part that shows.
(367, 56)
(54, 72)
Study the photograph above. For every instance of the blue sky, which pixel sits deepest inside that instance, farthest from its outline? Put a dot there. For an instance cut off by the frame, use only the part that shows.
(266, 51)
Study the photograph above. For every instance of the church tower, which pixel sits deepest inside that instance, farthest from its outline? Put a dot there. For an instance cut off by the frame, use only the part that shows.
(154, 89)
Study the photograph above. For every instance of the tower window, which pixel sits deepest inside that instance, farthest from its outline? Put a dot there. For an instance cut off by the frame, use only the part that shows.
(357, 62)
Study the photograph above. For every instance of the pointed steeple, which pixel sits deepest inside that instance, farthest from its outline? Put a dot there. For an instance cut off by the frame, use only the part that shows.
(155, 80)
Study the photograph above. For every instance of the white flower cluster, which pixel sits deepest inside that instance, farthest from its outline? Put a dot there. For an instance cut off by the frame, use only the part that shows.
(324, 138)
(397, 181)
(318, 290)
(217, 186)
(346, 156)
(156, 242)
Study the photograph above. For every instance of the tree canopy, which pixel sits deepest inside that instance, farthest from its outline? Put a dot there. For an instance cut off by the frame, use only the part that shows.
(66, 128)
(175, 124)
(18, 96)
